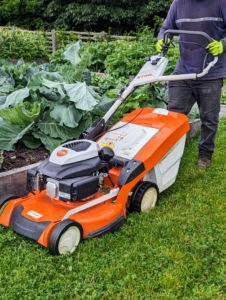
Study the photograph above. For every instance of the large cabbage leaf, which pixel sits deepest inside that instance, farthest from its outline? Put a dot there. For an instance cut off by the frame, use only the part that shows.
(72, 53)
(2, 100)
(52, 134)
(36, 81)
(32, 71)
(51, 127)
(48, 94)
(54, 86)
(103, 106)
(66, 115)
(3, 76)
(16, 97)
(80, 94)
(49, 142)
(11, 134)
(31, 142)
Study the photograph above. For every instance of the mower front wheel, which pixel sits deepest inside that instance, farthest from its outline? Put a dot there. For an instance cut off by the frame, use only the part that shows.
(4, 200)
(65, 237)
(144, 197)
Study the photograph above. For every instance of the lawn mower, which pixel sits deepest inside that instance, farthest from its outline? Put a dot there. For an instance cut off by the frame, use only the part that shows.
(87, 186)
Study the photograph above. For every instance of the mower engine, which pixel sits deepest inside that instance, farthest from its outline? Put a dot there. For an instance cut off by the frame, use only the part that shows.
(72, 172)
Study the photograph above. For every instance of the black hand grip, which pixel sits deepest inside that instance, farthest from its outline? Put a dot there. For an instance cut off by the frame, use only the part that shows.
(174, 31)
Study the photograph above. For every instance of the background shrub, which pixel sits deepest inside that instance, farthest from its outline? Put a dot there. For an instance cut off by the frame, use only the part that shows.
(16, 44)
(117, 17)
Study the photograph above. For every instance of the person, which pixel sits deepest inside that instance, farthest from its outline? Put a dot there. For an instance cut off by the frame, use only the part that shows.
(210, 17)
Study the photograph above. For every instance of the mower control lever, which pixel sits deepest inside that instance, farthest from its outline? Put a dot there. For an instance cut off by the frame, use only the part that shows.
(154, 62)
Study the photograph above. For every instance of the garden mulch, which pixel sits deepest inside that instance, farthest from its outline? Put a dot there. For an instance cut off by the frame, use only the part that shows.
(22, 156)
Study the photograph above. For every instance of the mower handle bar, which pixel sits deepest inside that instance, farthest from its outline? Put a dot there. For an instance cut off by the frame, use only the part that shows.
(201, 33)
(98, 127)
(173, 31)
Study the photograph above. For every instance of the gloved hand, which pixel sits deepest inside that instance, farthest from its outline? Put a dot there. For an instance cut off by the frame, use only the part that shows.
(215, 48)
(160, 44)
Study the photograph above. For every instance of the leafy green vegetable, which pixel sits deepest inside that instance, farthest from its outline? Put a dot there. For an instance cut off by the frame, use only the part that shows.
(47, 96)
(31, 142)
(16, 97)
(22, 113)
(66, 115)
(6, 88)
(11, 134)
(103, 106)
(72, 53)
(86, 76)
(81, 95)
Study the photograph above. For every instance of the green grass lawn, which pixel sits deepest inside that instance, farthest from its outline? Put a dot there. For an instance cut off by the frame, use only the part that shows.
(176, 251)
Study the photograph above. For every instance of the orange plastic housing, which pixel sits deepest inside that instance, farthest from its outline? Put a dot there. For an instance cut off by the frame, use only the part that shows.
(38, 207)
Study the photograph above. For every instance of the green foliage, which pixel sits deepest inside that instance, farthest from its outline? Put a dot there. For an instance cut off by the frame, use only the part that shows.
(66, 58)
(223, 97)
(176, 251)
(153, 95)
(57, 57)
(47, 104)
(117, 16)
(122, 57)
(172, 55)
(158, 24)
(63, 38)
(1, 158)
(99, 51)
(127, 58)
(86, 76)
(21, 13)
(16, 44)
(107, 81)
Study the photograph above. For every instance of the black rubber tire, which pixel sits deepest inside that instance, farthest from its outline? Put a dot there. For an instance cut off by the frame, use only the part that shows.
(4, 199)
(58, 232)
(139, 193)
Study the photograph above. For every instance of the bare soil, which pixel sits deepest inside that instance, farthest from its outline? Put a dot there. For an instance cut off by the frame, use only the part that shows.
(22, 156)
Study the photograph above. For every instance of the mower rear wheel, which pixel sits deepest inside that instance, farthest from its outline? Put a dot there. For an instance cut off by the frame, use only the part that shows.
(144, 197)
(4, 200)
(65, 237)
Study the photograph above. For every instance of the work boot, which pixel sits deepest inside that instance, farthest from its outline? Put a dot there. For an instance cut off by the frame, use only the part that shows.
(203, 162)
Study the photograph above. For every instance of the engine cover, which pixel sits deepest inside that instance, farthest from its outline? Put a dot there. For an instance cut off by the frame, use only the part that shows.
(74, 151)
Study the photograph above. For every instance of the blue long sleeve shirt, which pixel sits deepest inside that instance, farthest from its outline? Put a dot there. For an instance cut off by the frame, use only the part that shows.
(208, 16)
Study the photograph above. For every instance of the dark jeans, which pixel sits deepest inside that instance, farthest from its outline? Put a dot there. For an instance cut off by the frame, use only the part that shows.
(207, 93)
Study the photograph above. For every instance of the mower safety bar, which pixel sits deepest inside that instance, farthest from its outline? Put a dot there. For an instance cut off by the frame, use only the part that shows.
(201, 33)
(173, 32)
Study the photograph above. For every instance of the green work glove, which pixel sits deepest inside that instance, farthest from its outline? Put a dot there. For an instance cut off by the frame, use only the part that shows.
(160, 44)
(215, 48)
